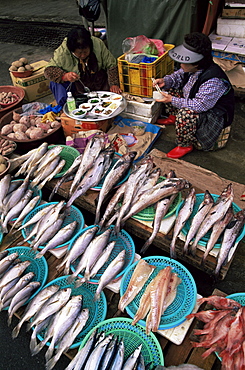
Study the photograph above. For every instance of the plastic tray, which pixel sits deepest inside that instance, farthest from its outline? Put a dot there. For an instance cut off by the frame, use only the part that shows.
(203, 241)
(68, 153)
(74, 215)
(97, 309)
(114, 160)
(132, 337)
(39, 265)
(148, 213)
(185, 299)
(123, 241)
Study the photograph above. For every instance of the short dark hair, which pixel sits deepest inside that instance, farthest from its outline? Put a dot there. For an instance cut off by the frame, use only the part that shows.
(201, 44)
(79, 38)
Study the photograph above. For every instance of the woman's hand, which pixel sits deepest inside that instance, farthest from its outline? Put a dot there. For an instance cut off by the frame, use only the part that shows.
(159, 82)
(70, 76)
(166, 98)
(115, 89)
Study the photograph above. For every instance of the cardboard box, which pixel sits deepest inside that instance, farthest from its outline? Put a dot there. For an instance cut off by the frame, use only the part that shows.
(231, 27)
(143, 109)
(233, 13)
(36, 86)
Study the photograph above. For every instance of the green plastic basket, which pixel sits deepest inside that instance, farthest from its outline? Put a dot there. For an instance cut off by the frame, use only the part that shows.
(132, 336)
(38, 265)
(148, 213)
(97, 309)
(69, 154)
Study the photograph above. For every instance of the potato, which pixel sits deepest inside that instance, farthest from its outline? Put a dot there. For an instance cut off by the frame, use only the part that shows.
(36, 133)
(2, 167)
(25, 120)
(17, 63)
(12, 135)
(23, 60)
(2, 159)
(19, 135)
(19, 127)
(21, 69)
(7, 129)
(13, 68)
(28, 67)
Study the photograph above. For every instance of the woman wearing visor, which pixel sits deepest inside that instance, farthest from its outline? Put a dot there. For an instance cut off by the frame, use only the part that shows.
(81, 60)
(198, 97)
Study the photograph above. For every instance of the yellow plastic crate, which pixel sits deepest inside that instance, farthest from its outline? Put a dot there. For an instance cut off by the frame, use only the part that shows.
(136, 78)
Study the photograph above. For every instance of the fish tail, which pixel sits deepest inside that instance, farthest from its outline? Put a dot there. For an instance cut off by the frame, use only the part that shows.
(71, 278)
(49, 352)
(145, 246)
(79, 282)
(96, 296)
(51, 362)
(172, 249)
(16, 331)
(39, 255)
(9, 319)
(34, 347)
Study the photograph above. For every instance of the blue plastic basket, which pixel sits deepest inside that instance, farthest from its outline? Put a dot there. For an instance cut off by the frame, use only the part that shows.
(69, 154)
(132, 336)
(39, 265)
(123, 242)
(74, 215)
(114, 160)
(97, 309)
(203, 241)
(185, 299)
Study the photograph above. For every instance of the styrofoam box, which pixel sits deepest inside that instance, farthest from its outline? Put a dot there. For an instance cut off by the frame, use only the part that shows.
(151, 119)
(143, 109)
(231, 27)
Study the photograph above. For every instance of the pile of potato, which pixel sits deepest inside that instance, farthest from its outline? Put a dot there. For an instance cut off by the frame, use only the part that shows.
(7, 98)
(20, 65)
(7, 146)
(28, 127)
(3, 164)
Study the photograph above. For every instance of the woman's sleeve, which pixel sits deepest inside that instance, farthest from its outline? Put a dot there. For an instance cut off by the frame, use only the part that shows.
(54, 74)
(113, 78)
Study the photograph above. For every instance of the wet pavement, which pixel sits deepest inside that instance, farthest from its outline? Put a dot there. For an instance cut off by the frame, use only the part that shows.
(228, 162)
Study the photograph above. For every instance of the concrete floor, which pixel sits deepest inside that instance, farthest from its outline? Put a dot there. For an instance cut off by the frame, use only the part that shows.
(228, 163)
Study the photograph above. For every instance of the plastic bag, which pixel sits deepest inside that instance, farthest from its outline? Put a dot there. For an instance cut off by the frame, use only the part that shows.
(141, 44)
(33, 108)
(89, 9)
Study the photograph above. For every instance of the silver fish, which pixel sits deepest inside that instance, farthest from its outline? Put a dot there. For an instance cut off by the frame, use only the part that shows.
(49, 233)
(78, 248)
(7, 261)
(45, 171)
(161, 210)
(37, 330)
(4, 186)
(30, 160)
(93, 176)
(4, 291)
(110, 272)
(116, 173)
(52, 174)
(91, 152)
(81, 357)
(27, 209)
(201, 213)
(148, 183)
(215, 214)
(3, 254)
(17, 195)
(181, 219)
(217, 230)
(14, 272)
(17, 162)
(54, 304)
(230, 234)
(36, 157)
(21, 298)
(132, 359)
(37, 216)
(49, 156)
(119, 358)
(96, 355)
(34, 306)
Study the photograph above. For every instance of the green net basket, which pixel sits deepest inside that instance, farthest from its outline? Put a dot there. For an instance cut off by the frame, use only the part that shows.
(132, 336)
(69, 154)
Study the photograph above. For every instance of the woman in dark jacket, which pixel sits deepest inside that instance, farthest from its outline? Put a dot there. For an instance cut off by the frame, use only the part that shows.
(198, 96)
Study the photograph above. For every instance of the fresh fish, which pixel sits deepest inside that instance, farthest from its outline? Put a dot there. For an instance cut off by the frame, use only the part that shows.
(49, 233)
(4, 292)
(201, 213)
(230, 234)
(91, 253)
(119, 358)
(34, 306)
(77, 248)
(93, 176)
(21, 298)
(16, 209)
(161, 210)
(27, 209)
(14, 272)
(158, 294)
(46, 171)
(132, 359)
(81, 357)
(67, 176)
(64, 321)
(215, 214)
(140, 365)
(17, 162)
(49, 156)
(7, 261)
(154, 195)
(116, 173)
(217, 230)
(4, 186)
(181, 219)
(69, 337)
(110, 272)
(141, 273)
(52, 174)
(94, 146)
(95, 357)
(37, 157)
(30, 162)
(60, 237)
(16, 196)
(172, 291)
(37, 330)
(144, 304)
(37, 216)
(109, 354)
(3, 254)
(19, 284)
(52, 305)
